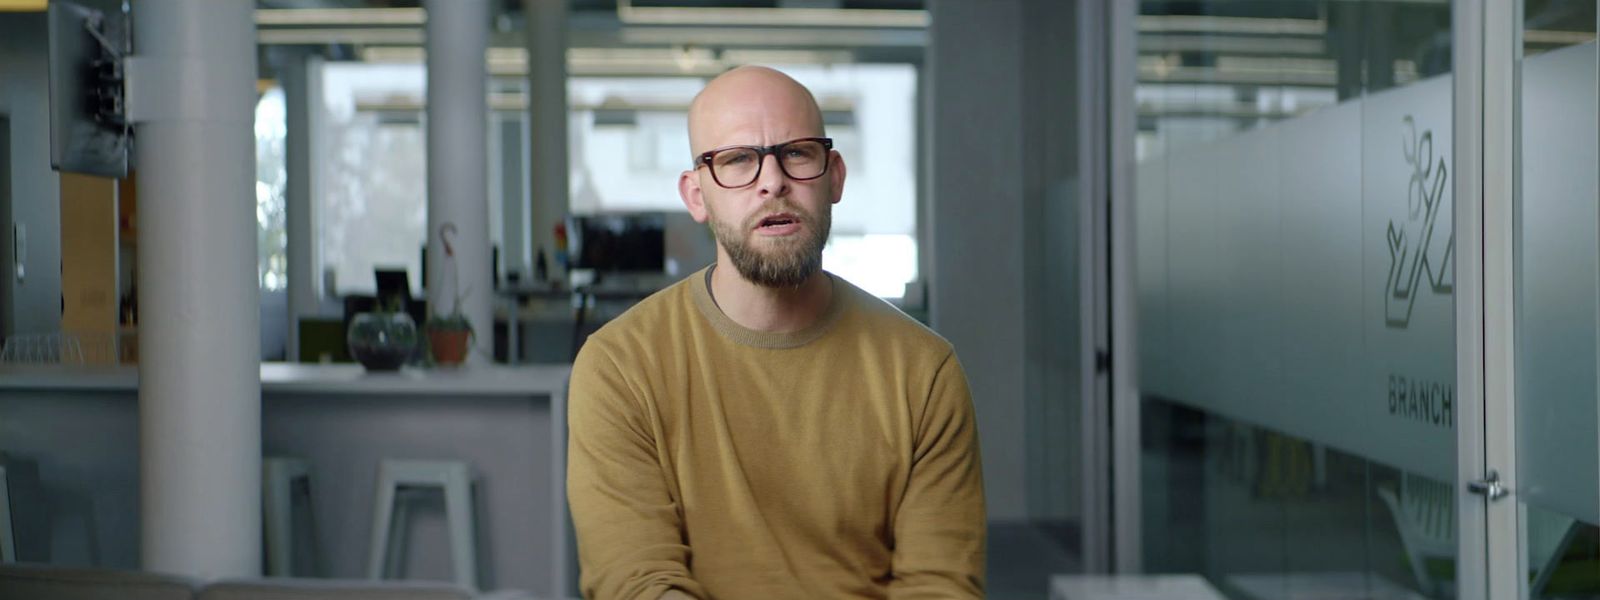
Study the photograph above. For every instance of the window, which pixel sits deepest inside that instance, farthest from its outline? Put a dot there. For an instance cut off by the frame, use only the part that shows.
(271, 235)
(372, 207)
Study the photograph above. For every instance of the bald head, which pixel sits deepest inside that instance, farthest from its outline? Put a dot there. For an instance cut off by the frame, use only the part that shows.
(752, 106)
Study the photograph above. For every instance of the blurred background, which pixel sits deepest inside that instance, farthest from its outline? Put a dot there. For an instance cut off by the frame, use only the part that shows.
(1227, 333)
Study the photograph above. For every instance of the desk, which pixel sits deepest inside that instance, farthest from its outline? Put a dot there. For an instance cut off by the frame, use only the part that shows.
(1132, 587)
(582, 298)
(81, 426)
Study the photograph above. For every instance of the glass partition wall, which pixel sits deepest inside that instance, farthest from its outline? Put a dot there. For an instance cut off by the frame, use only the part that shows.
(1296, 298)
(1313, 381)
(1556, 298)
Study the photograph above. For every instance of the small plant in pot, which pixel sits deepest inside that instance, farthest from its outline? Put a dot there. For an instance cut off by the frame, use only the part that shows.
(450, 337)
(383, 339)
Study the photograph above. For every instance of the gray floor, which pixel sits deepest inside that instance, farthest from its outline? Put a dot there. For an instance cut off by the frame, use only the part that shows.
(1023, 556)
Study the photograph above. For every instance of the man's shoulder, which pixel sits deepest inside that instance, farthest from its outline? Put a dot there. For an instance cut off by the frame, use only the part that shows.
(886, 323)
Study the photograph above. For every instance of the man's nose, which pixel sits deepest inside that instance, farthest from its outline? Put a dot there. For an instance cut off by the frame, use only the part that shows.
(773, 181)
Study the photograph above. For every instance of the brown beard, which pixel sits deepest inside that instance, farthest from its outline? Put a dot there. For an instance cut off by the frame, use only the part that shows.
(790, 262)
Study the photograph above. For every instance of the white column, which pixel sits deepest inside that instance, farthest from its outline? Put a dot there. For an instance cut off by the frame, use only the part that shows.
(975, 69)
(458, 155)
(547, 124)
(192, 97)
(301, 90)
(511, 134)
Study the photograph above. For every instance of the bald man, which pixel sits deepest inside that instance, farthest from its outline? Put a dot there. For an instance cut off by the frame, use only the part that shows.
(763, 428)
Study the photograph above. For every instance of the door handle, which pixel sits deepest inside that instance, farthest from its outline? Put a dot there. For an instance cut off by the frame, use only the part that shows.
(19, 250)
(1489, 487)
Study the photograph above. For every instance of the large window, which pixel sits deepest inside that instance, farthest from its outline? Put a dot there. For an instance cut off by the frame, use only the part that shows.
(628, 142)
(372, 210)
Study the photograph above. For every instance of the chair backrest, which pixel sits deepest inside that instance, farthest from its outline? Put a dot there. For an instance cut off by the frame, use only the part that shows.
(45, 582)
(1431, 506)
(1548, 534)
(1424, 513)
(331, 589)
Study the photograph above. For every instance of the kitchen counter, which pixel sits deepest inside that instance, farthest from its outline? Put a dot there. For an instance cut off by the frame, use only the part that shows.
(306, 377)
(80, 425)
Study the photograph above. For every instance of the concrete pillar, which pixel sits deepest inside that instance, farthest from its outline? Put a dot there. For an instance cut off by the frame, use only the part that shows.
(301, 78)
(547, 124)
(513, 184)
(975, 72)
(192, 97)
(458, 158)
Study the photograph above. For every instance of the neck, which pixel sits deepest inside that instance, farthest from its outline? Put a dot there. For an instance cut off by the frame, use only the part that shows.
(771, 310)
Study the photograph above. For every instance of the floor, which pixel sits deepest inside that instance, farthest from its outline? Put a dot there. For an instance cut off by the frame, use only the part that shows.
(1023, 556)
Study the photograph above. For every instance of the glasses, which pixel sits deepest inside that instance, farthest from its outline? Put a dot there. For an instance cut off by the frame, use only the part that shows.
(738, 166)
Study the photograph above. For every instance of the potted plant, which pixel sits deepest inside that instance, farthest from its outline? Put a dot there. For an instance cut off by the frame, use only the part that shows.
(382, 340)
(450, 336)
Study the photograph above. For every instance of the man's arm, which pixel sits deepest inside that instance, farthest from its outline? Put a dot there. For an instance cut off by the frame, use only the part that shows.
(940, 531)
(629, 540)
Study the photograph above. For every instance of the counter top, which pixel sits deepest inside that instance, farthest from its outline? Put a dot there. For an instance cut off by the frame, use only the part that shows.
(277, 377)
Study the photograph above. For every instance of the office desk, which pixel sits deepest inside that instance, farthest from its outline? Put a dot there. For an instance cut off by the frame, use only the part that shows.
(582, 299)
(81, 426)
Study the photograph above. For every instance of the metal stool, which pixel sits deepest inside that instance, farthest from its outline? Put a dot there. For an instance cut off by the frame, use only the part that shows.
(8, 537)
(456, 480)
(278, 476)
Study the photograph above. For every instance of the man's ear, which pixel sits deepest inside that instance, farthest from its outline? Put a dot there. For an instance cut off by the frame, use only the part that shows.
(689, 191)
(836, 173)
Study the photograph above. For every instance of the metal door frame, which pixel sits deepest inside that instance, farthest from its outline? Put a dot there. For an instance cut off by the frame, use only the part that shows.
(1485, 50)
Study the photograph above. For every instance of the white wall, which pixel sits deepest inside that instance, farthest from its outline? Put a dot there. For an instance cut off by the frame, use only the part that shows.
(1003, 277)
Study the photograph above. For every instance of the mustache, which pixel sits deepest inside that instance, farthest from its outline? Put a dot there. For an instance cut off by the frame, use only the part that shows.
(776, 206)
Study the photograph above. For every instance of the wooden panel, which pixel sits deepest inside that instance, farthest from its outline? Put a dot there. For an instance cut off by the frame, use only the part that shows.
(89, 265)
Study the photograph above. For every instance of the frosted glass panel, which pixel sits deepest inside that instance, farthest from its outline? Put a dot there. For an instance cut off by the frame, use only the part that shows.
(1557, 279)
(1296, 305)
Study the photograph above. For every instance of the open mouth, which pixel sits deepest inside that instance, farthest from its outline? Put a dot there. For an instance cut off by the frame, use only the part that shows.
(777, 222)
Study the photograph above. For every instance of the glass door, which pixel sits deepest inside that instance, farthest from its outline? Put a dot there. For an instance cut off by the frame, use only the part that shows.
(1295, 181)
(1556, 278)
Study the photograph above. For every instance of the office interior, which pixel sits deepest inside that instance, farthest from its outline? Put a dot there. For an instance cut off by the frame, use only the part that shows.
(1257, 299)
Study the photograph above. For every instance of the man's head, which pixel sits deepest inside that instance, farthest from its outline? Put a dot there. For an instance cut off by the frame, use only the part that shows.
(771, 216)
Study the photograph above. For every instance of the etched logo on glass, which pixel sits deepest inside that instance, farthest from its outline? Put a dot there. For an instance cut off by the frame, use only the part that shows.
(1419, 246)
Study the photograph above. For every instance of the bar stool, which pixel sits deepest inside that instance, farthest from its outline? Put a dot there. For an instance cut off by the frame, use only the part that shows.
(8, 537)
(278, 476)
(395, 477)
(21, 510)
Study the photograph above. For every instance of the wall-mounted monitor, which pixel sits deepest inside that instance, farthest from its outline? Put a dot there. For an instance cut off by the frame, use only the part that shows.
(89, 132)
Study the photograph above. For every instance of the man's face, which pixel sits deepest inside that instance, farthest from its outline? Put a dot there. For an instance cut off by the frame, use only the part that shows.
(773, 236)
(773, 228)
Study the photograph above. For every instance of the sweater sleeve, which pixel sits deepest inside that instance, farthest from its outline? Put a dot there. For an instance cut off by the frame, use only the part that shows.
(630, 541)
(940, 530)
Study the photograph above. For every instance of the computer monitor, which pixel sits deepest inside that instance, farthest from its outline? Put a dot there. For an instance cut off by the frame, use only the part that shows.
(394, 285)
(618, 243)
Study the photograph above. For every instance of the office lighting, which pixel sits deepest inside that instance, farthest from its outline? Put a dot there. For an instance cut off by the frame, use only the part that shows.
(317, 36)
(768, 17)
(1242, 25)
(306, 17)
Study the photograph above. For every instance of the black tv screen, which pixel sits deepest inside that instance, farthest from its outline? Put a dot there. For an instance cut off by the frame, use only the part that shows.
(88, 130)
(618, 243)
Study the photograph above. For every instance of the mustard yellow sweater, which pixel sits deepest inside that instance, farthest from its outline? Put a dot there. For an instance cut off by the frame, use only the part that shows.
(836, 462)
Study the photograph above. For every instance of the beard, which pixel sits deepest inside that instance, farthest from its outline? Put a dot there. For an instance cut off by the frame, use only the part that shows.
(784, 262)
